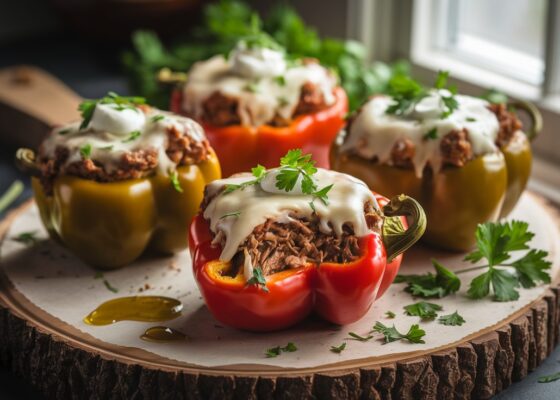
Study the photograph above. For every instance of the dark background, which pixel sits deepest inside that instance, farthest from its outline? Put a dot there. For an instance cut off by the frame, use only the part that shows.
(80, 43)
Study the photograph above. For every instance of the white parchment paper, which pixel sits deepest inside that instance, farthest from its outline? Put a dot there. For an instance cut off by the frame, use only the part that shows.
(54, 280)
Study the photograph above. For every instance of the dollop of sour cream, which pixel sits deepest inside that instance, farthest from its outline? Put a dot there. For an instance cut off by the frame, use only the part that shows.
(236, 214)
(112, 132)
(260, 79)
(373, 133)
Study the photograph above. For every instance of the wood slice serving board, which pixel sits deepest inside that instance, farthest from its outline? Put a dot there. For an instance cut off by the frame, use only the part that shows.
(45, 293)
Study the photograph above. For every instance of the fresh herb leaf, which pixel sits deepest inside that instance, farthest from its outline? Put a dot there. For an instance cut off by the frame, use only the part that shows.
(258, 279)
(423, 310)
(157, 118)
(280, 80)
(450, 103)
(441, 79)
(406, 92)
(443, 283)
(133, 136)
(174, 178)
(391, 334)
(452, 319)
(471, 119)
(231, 214)
(109, 287)
(87, 107)
(273, 352)
(321, 194)
(338, 349)
(495, 97)
(27, 238)
(355, 336)
(64, 131)
(289, 348)
(431, 134)
(549, 378)
(390, 314)
(312, 205)
(85, 151)
(258, 172)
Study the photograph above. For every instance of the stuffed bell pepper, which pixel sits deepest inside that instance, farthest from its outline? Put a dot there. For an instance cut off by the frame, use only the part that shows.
(124, 179)
(272, 246)
(465, 160)
(255, 105)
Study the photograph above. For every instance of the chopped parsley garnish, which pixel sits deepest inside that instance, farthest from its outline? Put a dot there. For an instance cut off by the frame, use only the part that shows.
(259, 172)
(360, 338)
(27, 238)
(423, 310)
(133, 136)
(157, 118)
(252, 87)
(107, 148)
(494, 243)
(87, 107)
(452, 319)
(391, 334)
(277, 350)
(428, 285)
(99, 275)
(431, 134)
(338, 349)
(390, 314)
(231, 214)
(85, 151)
(64, 131)
(257, 279)
(280, 80)
(549, 378)
(174, 178)
(471, 119)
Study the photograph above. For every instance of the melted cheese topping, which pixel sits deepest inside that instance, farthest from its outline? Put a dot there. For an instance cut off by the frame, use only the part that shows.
(260, 79)
(111, 133)
(257, 203)
(373, 132)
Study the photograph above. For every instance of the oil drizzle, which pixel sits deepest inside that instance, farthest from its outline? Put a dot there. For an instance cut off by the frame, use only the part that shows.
(162, 334)
(135, 308)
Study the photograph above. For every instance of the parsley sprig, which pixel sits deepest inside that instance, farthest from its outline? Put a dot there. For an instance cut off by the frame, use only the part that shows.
(422, 309)
(452, 319)
(277, 350)
(495, 241)
(87, 107)
(391, 334)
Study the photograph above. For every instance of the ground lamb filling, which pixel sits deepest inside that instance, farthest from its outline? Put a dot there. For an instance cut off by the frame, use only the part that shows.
(455, 147)
(222, 110)
(181, 149)
(275, 246)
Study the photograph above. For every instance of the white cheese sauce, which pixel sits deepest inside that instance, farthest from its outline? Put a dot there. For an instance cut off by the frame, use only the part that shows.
(373, 132)
(112, 133)
(254, 204)
(260, 79)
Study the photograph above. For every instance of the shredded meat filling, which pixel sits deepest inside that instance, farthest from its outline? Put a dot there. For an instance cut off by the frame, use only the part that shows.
(275, 246)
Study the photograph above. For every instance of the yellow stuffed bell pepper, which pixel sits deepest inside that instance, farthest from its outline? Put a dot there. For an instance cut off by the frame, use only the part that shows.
(109, 222)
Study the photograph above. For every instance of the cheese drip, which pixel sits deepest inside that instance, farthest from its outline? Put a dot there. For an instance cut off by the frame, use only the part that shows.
(373, 132)
(255, 204)
(112, 132)
(260, 79)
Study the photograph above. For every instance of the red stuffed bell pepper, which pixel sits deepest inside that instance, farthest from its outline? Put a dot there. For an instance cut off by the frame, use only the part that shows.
(255, 106)
(265, 257)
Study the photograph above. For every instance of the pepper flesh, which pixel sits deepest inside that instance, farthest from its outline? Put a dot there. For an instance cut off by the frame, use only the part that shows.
(339, 293)
(240, 148)
(109, 225)
(455, 199)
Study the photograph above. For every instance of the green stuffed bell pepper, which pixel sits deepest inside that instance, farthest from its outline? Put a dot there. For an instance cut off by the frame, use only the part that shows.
(465, 160)
(126, 179)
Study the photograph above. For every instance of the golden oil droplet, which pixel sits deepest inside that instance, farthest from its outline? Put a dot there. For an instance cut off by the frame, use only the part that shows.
(162, 334)
(135, 308)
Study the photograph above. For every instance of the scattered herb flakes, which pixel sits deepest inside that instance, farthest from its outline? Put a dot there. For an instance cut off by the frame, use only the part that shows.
(277, 350)
(85, 151)
(28, 238)
(549, 378)
(174, 178)
(422, 309)
(257, 279)
(391, 334)
(471, 119)
(280, 80)
(355, 336)
(390, 314)
(252, 87)
(109, 287)
(428, 285)
(338, 349)
(431, 134)
(452, 319)
(157, 118)
(132, 137)
(231, 214)
(106, 148)
(64, 131)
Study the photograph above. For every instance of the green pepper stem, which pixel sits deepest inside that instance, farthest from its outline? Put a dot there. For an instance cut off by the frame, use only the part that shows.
(26, 162)
(534, 115)
(395, 238)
